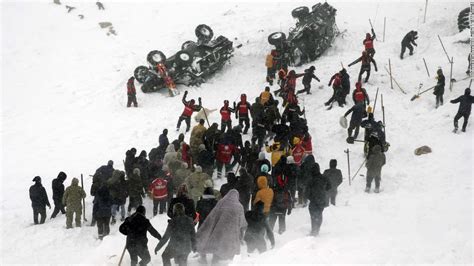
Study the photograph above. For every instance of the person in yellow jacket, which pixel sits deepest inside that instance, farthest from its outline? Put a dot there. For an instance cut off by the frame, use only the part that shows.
(266, 97)
(264, 194)
(277, 151)
(270, 64)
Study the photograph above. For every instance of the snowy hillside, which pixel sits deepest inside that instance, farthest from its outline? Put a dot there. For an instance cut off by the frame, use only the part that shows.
(63, 109)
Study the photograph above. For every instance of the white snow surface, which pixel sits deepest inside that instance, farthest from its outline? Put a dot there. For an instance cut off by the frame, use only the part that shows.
(63, 109)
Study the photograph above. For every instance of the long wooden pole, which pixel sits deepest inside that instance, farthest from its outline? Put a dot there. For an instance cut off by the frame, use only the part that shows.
(426, 67)
(390, 72)
(394, 80)
(348, 165)
(442, 45)
(426, 7)
(451, 75)
(83, 201)
(384, 22)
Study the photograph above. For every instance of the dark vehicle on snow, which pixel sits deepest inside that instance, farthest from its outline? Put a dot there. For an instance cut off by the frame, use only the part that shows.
(314, 32)
(191, 66)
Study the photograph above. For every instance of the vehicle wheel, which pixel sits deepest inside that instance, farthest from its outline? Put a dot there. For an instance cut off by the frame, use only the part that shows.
(300, 12)
(183, 58)
(151, 85)
(140, 73)
(463, 19)
(204, 32)
(187, 44)
(155, 57)
(276, 38)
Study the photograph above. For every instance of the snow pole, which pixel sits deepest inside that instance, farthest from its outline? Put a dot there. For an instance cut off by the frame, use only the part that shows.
(451, 75)
(384, 22)
(123, 253)
(426, 7)
(348, 165)
(342, 65)
(444, 49)
(359, 169)
(375, 102)
(426, 67)
(394, 80)
(83, 200)
(372, 27)
(390, 73)
(383, 114)
(470, 83)
(205, 115)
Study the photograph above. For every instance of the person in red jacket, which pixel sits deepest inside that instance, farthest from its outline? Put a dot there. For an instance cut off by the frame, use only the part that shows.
(369, 43)
(226, 120)
(307, 144)
(224, 155)
(242, 113)
(298, 151)
(291, 80)
(189, 108)
(360, 95)
(131, 92)
(365, 60)
(186, 153)
(159, 191)
(338, 92)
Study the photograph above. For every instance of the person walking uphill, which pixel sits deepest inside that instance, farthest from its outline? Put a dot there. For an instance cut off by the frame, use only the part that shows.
(181, 235)
(465, 101)
(439, 88)
(264, 194)
(257, 228)
(335, 178)
(221, 232)
(131, 92)
(39, 200)
(374, 168)
(103, 210)
(316, 192)
(58, 192)
(135, 228)
(189, 109)
(72, 199)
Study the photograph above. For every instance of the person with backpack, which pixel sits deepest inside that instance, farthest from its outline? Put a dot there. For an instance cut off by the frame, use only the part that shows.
(307, 77)
(189, 109)
(257, 228)
(365, 60)
(465, 101)
(131, 92)
(135, 228)
(282, 200)
(58, 192)
(181, 235)
(39, 200)
(335, 178)
(102, 210)
(159, 191)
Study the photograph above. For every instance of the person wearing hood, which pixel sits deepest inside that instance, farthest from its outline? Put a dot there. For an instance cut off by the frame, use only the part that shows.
(257, 228)
(242, 113)
(245, 186)
(264, 194)
(439, 88)
(197, 138)
(205, 205)
(335, 178)
(407, 42)
(256, 109)
(316, 189)
(291, 172)
(170, 155)
(304, 176)
(131, 92)
(206, 160)
(221, 232)
(143, 164)
(357, 111)
(345, 82)
(177, 142)
(102, 210)
(118, 188)
(183, 197)
(39, 200)
(307, 77)
(189, 109)
(270, 63)
(374, 168)
(360, 95)
(181, 235)
(58, 192)
(226, 113)
(135, 190)
(231, 184)
(196, 183)
(282, 200)
(368, 43)
(465, 101)
(72, 199)
(212, 136)
(365, 60)
(163, 139)
(130, 160)
(261, 161)
(135, 228)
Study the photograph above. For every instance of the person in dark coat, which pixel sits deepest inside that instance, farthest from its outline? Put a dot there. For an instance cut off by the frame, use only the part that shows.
(308, 76)
(183, 198)
(163, 139)
(365, 60)
(465, 101)
(257, 227)
(374, 168)
(135, 190)
(103, 210)
(231, 184)
(39, 200)
(206, 160)
(335, 178)
(338, 92)
(357, 111)
(304, 176)
(130, 160)
(118, 188)
(439, 88)
(316, 189)
(205, 205)
(256, 109)
(182, 236)
(282, 200)
(291, 172)
(58, 192)
(345, 82)
(245, 187)
(135, 228)
(407, 42)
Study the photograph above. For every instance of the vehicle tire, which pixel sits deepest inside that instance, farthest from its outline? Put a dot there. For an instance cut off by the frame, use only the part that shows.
(204, 32)
(300, 12)
(141, 73)
(276, 38)
(463, 19)
(183, 58)
(155, 57)
(187, 44)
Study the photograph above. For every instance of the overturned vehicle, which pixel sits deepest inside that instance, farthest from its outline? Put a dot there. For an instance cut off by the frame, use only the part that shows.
(191, 66)
(314, 32)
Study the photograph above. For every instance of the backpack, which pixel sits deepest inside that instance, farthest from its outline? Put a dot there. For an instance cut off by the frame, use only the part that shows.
(125, 226)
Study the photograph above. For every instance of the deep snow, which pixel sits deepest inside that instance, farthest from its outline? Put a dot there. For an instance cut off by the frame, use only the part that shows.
(63, 109)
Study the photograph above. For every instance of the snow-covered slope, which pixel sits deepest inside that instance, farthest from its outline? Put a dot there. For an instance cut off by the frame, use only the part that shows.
(63, 109)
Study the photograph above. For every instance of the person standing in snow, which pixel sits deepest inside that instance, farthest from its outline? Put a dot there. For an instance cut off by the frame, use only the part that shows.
(189, 109)
(72, 199)
(131, 92)
(308, 76)
(282, 200)
(365, 60)
(135, 228)
(226, 120)
(368, 43)
(135, 190)
(407, 42)
(159, 191)
(374, 168)
(39, 200)
(316, 189)
(257, 228)
(335, 178)
(103, 210)
(205, 205)
(270, 64)
(357, 111)
(58, 192)
(242, 113)
(439, 88)
(118, 188)
(465, 101)
(264, 194)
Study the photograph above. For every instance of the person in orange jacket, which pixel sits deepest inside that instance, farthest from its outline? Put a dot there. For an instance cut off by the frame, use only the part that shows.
(270, 64)
(264, 194)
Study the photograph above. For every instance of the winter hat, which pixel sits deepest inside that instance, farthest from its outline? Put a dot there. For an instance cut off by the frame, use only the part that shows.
(264, 168)
(261, 155)
(333, 163)
(201, 121)
(202, 147)
(208, 183)
(141, 209)
(312, 68)
(75, 181)
(133, 150)
(198, 169)
(296, 140)
(290, 160)
(62, 176)
(316, 168)
(165, 131)
(367, 35)
(467, 91)
(37, 179)
(178, 209)
(136, 171)
(110, 163)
